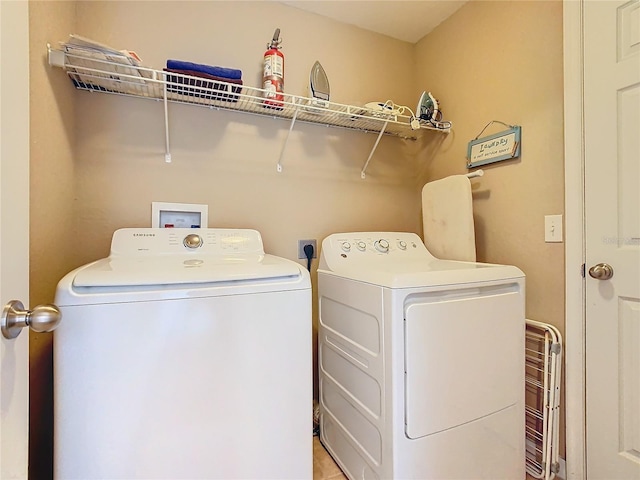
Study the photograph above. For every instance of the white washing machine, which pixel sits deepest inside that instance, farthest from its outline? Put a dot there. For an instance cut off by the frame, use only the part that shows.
(421, 361)
(186, 354)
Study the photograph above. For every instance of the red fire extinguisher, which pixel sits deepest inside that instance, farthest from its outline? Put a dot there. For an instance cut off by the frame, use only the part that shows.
(273, 75)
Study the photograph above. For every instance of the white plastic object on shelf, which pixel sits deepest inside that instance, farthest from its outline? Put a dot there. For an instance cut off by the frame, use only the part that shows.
(101, 75)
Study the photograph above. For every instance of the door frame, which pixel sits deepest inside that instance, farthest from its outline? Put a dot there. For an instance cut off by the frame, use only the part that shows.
(14, 229)
(575, 302)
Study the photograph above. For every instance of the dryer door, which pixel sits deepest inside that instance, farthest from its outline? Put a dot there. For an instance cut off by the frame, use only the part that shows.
(464, 356)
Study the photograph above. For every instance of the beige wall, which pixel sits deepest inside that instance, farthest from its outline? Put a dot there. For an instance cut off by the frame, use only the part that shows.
(503, 61)
(228, 160)
(98, 160)
(52, 139)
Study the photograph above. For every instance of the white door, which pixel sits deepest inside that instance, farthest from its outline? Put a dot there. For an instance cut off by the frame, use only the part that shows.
(14, 232)
(612, 214)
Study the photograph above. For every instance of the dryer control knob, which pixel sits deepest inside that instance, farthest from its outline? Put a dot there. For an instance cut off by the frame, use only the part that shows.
(361, 246)
(346, 246)
(382, 245)
(192, 241)
(402, 245)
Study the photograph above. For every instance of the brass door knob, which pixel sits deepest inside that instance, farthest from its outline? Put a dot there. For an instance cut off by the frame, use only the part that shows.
(601, 271)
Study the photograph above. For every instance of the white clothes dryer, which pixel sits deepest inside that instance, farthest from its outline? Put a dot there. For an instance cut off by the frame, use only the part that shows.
(184, 354)
(421, 361)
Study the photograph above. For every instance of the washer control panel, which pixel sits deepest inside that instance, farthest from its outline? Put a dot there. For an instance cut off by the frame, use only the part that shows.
(210, 241)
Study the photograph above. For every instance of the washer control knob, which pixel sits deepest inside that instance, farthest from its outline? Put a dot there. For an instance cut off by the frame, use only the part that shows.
(402, 245)
(192, 241)
(382, 245)
(361, 246)
(346, 246)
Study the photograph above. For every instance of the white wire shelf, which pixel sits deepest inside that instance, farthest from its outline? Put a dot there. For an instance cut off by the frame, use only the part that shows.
(107, 75)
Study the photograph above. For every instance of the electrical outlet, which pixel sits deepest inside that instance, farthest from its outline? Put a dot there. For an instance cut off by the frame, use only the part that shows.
(301, 245)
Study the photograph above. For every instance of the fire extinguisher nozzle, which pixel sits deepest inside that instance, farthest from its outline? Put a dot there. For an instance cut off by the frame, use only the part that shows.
(275, 42)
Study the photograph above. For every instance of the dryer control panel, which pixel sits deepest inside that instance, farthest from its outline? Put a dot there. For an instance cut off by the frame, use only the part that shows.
(372, 250)
(374, 244)
(399, 260)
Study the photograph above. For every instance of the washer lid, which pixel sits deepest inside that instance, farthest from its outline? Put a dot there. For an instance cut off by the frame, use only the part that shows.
(175, 256)
(148, 270)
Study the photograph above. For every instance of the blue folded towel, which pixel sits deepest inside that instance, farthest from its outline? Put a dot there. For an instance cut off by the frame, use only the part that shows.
(230, 73)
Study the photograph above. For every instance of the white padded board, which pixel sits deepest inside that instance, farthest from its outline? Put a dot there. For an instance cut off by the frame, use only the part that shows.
(447, 218)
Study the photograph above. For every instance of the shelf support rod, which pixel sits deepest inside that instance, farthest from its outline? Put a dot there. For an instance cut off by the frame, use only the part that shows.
(167, 154)
(363, 175)
(286, 140)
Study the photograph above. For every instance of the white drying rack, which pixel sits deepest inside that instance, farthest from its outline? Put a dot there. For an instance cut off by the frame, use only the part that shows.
(543, 360)
(113, 75)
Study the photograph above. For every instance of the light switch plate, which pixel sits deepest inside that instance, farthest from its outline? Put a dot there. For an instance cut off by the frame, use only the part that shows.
(553, 228)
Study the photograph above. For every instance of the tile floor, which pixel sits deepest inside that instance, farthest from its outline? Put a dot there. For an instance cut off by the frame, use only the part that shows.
(324, 468)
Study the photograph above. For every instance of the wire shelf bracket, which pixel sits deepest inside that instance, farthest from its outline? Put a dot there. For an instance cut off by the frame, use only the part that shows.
(363, 175)
(286, 140)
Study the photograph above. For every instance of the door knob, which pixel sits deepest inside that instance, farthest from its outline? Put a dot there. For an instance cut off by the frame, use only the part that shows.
(43, 318)
(601, 271)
